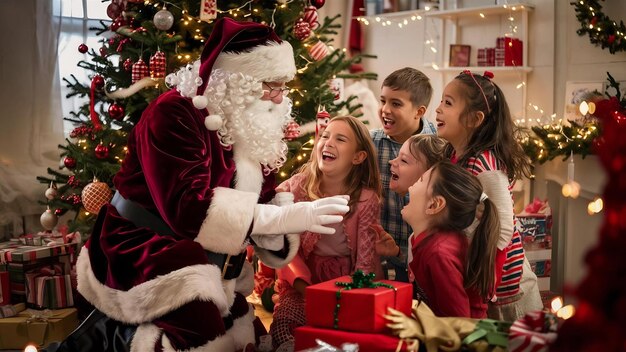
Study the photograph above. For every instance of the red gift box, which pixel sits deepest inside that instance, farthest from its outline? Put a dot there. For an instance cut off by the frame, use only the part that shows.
(305, 337)
(536, 331)
(5, 291)
(509, 52)
(360, 309)
(487, 57)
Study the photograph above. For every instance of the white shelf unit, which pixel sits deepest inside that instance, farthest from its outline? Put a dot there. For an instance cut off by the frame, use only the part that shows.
(451, 32)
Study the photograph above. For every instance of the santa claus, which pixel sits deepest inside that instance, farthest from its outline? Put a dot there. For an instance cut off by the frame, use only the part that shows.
(168, 255)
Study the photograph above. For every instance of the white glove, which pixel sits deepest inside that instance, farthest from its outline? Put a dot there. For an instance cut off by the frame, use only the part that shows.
(274, 243)
(300, 217)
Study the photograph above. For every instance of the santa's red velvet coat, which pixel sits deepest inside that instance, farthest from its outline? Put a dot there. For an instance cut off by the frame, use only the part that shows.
(206, 194)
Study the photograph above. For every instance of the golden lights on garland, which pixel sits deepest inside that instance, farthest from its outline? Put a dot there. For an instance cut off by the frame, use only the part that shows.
(601, 29)
(553, 140)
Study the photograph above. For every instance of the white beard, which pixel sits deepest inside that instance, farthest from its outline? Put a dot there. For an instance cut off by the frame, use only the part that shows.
(257, 133)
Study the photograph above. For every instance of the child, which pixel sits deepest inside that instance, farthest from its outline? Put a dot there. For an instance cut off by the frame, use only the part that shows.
(474, 118)
(456, 273)
(344, 162)
(418, 154)
(404, 97)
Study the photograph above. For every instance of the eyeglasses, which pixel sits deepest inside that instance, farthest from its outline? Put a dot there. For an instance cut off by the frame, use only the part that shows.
(273, 92)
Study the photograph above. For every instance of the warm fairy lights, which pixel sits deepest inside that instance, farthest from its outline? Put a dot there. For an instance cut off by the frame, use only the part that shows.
(563, 312)
(595, 206)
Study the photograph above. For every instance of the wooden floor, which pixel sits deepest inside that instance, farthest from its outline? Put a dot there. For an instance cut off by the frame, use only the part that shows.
(259, 311)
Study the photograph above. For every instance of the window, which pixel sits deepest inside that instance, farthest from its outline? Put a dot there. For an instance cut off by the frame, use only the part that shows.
(77, 16)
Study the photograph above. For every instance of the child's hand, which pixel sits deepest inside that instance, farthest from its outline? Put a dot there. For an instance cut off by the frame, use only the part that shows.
(385, 244)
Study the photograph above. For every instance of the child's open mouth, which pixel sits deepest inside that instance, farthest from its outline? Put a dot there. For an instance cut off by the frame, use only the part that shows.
(328, 156)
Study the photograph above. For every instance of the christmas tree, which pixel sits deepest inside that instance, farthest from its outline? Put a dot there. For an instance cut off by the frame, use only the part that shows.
(146, 40)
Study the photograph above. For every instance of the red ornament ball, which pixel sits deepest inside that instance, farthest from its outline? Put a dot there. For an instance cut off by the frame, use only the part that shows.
(318, 3)
(117, 23)
(98, 81)
(103, 51)
(69, 162)
(83, 48)
(116, 111)
(102, 151)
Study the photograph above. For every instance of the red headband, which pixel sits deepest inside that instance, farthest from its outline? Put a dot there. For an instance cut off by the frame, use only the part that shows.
(488, 75)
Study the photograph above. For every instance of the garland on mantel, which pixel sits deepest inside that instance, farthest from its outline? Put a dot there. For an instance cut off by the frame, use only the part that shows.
(546, 142)
(601, 29)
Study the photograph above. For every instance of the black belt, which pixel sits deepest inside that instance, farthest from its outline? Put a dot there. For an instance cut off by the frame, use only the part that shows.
(230, 265)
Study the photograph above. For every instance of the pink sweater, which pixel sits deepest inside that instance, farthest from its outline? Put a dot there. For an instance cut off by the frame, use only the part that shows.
(361, 240)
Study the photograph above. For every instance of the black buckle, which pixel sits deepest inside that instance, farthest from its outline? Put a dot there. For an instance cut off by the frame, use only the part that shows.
(230, 265)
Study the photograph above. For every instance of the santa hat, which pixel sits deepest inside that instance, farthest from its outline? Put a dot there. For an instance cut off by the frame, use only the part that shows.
(246, 47)
(249, 48)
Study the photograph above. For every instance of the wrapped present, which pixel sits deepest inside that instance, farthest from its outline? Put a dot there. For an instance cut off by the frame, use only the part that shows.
(17, 274)
(10, 310)
(355, 303)
(536, 331)
(5, 290)
(306, 336)
(486, 57)
(535, 225)
(30, 240)
(22, 254)
(37, 327)
(508, 52)
(449, 333)
(48, 287)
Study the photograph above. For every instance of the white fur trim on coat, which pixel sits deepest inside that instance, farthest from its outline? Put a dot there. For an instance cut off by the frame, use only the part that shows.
(228, 220)
(242, 331)
(144, 302)
(496, 186)
(275, 262)
(145, 338)
(273, 62)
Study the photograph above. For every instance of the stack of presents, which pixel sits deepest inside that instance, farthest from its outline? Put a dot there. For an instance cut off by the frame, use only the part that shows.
(37, 285)
(349, 314)
(508, 52)
(535, 226)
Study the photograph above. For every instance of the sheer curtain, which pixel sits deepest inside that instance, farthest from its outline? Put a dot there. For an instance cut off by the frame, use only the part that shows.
(31, 123)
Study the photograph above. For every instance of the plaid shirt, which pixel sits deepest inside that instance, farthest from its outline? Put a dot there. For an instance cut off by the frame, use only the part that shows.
(390, 216)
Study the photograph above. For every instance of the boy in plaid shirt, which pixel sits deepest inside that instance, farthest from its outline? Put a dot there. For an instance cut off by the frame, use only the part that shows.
(404, 97)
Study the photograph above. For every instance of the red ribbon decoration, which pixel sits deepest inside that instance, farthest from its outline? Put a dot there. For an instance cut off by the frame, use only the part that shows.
(95, 119)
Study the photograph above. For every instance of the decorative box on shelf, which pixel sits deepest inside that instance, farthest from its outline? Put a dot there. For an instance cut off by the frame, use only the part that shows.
(332, 306)
(509, 52)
